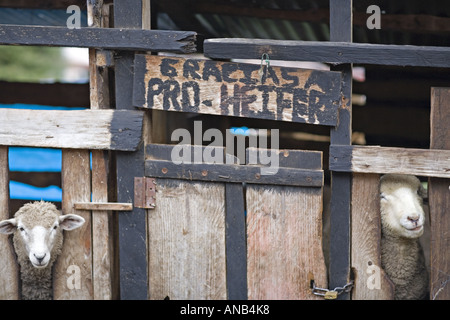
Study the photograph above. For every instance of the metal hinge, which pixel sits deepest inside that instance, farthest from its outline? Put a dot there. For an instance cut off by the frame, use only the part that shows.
(330, 294)
(144, 192)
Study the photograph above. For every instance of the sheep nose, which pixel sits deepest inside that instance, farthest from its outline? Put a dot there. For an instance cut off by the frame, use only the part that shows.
(39, 257)
(413, 218)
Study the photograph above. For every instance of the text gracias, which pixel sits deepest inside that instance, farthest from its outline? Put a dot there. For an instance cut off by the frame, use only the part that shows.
(275, 91)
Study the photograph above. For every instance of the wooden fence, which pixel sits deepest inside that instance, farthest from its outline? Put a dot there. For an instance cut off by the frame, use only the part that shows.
(193, 231)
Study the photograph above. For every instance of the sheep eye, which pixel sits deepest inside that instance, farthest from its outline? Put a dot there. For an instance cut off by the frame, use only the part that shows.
(21, 229)
(382, 196)
(55, 227)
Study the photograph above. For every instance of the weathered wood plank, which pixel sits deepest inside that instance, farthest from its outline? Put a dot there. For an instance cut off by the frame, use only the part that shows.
(103, 254)
(233, 173)
(236, 242)
(9, 280)
(383, 160)
(103, 206)
(371, 282)
(284, 242)
(113, 38)
(341, 29)
(187, 241)
(334, 51)
(133, 267)
(47, 94)
(76, 257)
(234, 89)
(78, 129)
(439, 198)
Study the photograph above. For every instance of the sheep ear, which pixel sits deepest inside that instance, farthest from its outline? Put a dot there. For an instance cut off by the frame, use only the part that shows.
(422, 192)
(8, 226)
(70, 221)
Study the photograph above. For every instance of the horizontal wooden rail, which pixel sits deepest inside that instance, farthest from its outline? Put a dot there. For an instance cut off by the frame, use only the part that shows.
(103, 206)
(384, 160)
(105, 38)
(78, 129)
(290, 167)
(233, 173)
(331, 52)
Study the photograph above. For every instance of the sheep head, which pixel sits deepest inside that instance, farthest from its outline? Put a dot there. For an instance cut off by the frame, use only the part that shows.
(401, 206)
(38, 231)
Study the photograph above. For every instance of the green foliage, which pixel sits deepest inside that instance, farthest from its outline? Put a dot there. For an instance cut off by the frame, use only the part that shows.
(30, 64)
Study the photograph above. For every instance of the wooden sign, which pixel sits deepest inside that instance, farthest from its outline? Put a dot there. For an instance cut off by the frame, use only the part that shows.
(236, 89)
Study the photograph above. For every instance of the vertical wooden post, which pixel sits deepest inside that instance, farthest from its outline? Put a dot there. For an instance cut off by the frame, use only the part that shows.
(9, 280)
(371, 281)
(131, 225)
(77, 250)
(236, 241)
(439, 198)
(341, 24)
(102, 235)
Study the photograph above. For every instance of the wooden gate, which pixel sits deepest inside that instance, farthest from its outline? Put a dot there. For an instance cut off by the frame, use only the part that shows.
(211, 237)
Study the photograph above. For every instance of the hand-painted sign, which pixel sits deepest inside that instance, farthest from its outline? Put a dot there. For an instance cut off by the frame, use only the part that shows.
(236, 89)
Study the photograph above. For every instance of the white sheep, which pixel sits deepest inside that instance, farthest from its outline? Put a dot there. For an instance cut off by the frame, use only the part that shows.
(402, 221)
(38, 239)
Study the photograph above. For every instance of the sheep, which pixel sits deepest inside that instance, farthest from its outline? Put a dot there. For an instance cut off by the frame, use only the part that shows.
(37, 230)
(402, 223)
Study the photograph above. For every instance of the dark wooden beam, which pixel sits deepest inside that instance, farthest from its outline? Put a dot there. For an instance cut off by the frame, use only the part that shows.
(341, 26)
(105, 38)
(133, 266)
(47, 94)
(335, 52)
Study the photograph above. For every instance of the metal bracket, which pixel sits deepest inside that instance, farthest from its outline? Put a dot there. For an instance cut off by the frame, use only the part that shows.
(144, 192)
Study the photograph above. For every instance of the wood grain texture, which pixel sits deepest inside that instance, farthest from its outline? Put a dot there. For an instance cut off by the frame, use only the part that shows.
(114, 38)
(102, 229)
(236, 89)
(187, 241)
(383, 160)
(103, 206)
(439, 198)
(82, 129)
(341, 30)
(9, 280)
(284, 242)
(335, 51)
(371, 282)
(77, 249)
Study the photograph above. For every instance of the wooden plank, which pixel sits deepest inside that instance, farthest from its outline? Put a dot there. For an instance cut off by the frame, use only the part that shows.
(335, 51)
(233, 173)
(187, 241)
(132, 231)
(9, 279)
(439, 198)
(236, 242)
(371, 281)
(383, 160)
(77, 249)
(105, 38)
(284, 242)
(47, 94)
(103, 206)
(82, 129)
(341, 29)
(235, 89)
(103, 254)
